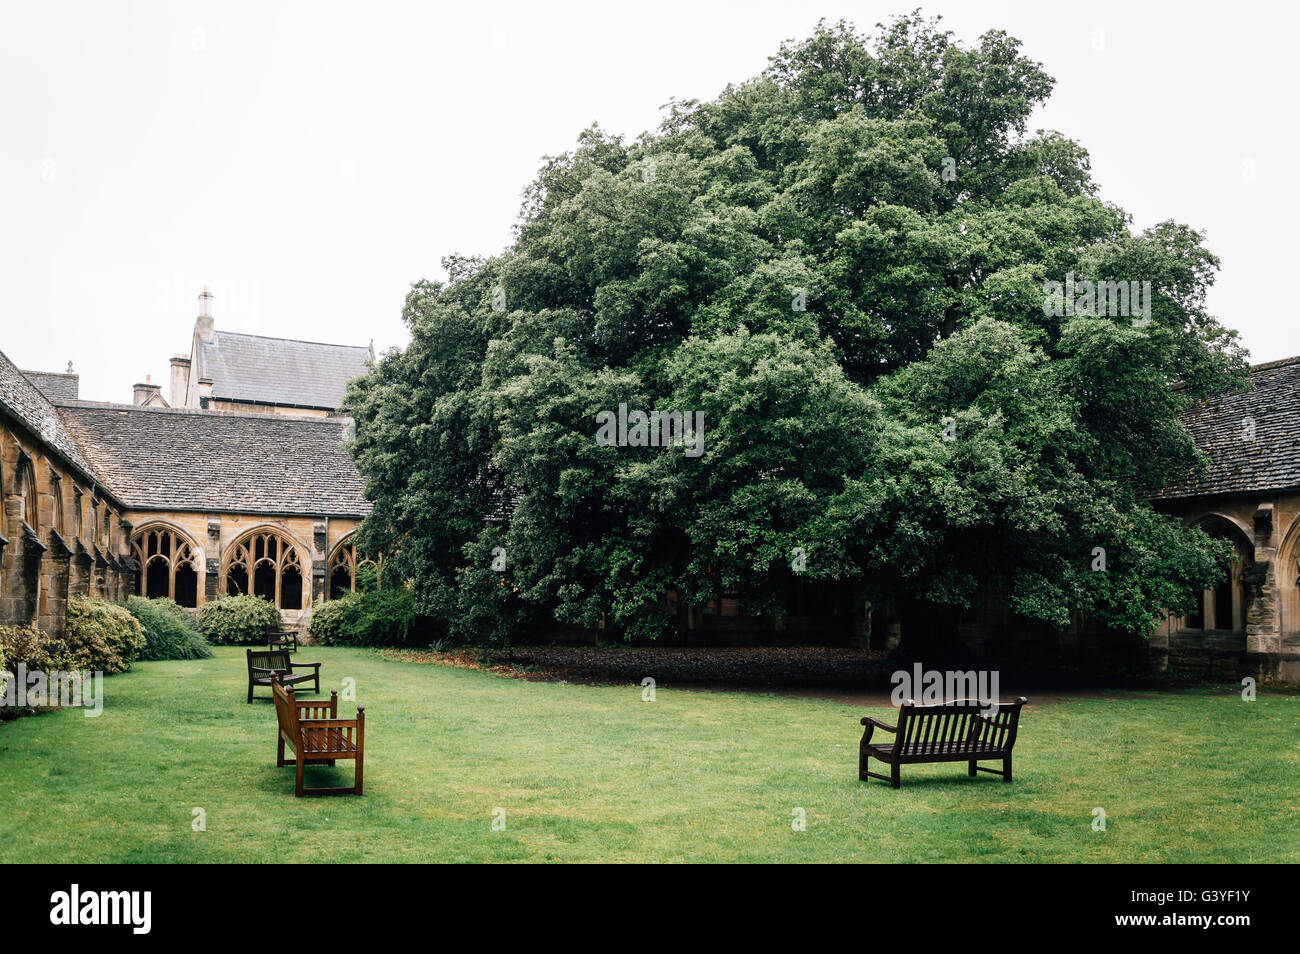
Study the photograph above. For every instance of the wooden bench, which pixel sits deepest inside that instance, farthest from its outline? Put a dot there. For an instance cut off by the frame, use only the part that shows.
(312, 728)
(263, 664)
(965, 731)
(282, 639)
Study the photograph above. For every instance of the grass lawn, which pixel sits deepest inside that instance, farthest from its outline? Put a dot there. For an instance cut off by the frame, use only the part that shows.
(595, 774)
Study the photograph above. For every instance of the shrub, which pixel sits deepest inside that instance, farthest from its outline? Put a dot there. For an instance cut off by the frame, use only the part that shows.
(101, 636)
(386, 617)
(237, 620)
(34, 649)
(169, 631)
(328, 620)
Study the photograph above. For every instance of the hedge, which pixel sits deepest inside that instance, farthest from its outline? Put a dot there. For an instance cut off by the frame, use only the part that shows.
(169, 631)
(386, 617)
(237, 620)
(101, 636)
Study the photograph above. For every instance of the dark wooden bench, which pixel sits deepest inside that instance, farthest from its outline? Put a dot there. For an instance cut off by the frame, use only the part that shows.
(312, 728)
(263, 664)
(282, 639)
(964, 731)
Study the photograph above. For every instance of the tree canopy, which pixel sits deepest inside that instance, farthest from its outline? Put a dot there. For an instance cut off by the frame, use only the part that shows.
(841, 263)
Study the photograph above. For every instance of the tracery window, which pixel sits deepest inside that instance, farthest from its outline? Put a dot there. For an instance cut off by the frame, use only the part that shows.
(266, 564)
(169, 564)
(341, 571)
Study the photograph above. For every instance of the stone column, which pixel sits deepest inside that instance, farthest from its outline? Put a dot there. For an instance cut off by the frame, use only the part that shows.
(212, 565)
(1263, 628)
(319, 556)
(54, 613)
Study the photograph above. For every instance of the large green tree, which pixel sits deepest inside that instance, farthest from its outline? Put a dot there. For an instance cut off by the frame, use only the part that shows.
(842, 265)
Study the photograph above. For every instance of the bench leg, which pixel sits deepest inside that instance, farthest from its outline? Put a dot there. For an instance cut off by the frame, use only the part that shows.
(250, 690)
(279, 752)
(298, 781)
(1006, 769)
(894, 780)
(971, 768)
(357, 778)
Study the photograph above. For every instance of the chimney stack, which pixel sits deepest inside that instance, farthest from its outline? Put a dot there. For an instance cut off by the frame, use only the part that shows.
(203, 323)
(180, 379)
(144, 393)
(205, 392)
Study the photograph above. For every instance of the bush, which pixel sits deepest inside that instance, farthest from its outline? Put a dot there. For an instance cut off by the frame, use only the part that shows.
(32, 648)
(101, 636)
(169, 631)
(376, 618)
(237, 620)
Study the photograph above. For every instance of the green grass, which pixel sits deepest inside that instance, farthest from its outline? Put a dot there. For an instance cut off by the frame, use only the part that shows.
(596, 774)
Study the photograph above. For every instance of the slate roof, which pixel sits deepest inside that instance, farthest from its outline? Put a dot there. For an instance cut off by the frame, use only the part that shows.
(280, 370)
(219, 461)
(24, 401)
(56, 385)
(1237, 465)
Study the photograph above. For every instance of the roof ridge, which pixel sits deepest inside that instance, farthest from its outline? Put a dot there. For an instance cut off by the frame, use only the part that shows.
(1279, 363)
(323, 344)
(198, 412)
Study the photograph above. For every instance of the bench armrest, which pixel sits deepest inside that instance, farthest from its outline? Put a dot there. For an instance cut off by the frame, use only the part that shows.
(867, 720)
(303, 665)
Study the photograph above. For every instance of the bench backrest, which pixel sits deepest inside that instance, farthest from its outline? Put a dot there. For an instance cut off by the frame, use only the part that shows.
(277, 659)
(927, 730)
(285, 710)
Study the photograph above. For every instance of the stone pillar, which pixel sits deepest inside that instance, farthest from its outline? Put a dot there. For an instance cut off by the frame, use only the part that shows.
(319, 556)
(54, 615)
(1263, 627)
(30, 576)
(212, 566)
(79, 571)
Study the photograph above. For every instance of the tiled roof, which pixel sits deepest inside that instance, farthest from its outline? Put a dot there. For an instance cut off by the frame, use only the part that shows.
(56, 385)
(280, 370)
(229, 462)
(1220, 425)
(23, 400)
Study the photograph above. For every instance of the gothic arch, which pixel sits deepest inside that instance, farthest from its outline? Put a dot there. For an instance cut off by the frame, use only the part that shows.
(1224, 608)
(1288, 578)
(170, 562)
(341, 567)
(267, 562)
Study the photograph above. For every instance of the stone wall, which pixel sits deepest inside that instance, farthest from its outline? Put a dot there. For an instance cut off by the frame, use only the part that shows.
(60, 534)
(1265, 639)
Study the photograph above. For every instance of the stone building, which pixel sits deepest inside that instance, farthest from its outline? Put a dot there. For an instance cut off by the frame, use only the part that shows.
(226, 371)
(244, 488)
(1250, 496)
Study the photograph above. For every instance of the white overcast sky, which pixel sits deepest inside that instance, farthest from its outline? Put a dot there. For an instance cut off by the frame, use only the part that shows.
(310, 160)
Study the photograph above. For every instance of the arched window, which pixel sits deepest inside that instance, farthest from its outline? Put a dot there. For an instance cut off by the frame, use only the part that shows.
(29, 494)
(169, 564)
(1225, 607)
(56, 488)
(341, 572)
(266, 564)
